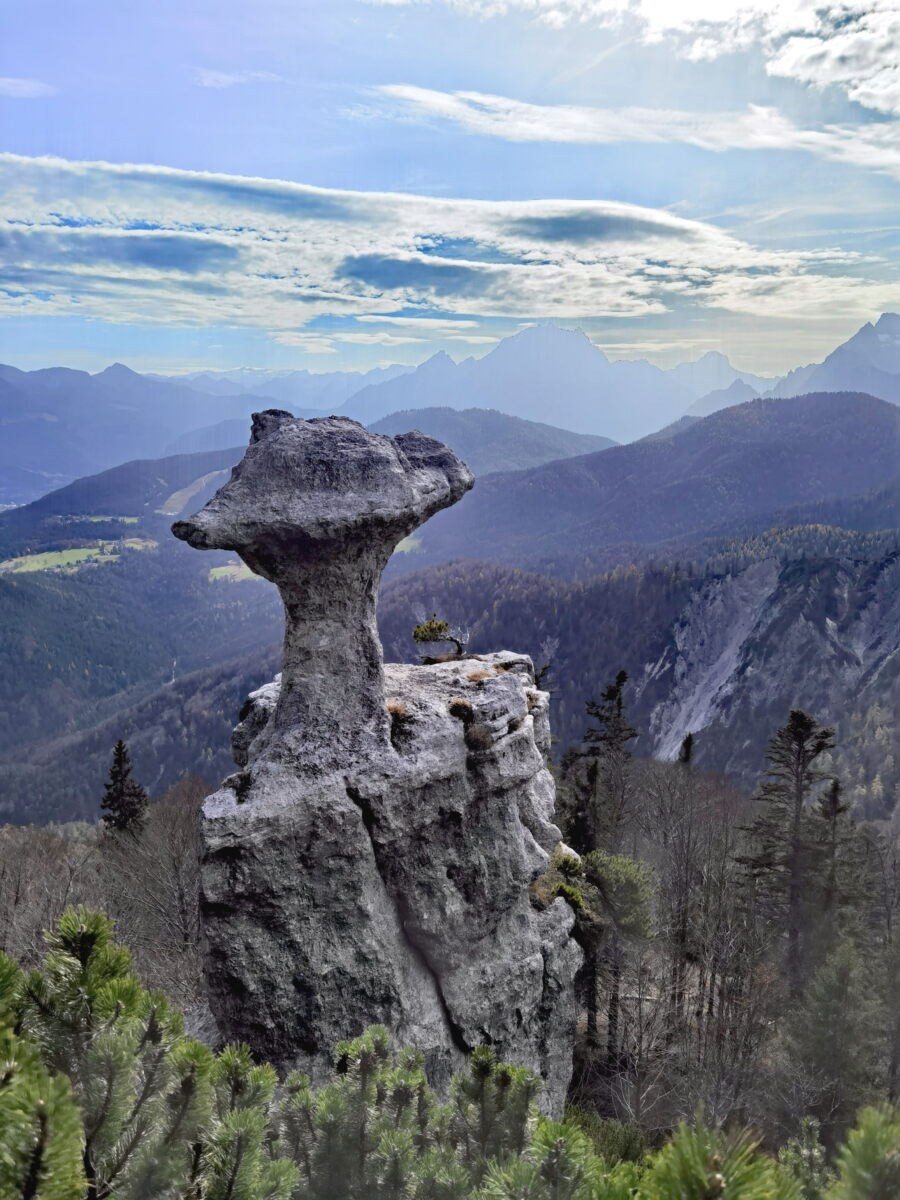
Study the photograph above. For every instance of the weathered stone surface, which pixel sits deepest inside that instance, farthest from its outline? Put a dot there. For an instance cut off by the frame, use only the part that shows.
(317, 507)
(371, 860)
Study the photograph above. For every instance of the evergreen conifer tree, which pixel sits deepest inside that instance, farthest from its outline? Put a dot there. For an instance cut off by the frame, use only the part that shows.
(868, 1165)
(833, 1040)
(804, 1157)
(840, 876)
(102, 1097)
(40, 1125)
(124, 803)
(783, 858)
(596, 782)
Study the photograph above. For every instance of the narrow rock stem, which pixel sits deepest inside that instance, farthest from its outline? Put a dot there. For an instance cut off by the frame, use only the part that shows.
(332, 693)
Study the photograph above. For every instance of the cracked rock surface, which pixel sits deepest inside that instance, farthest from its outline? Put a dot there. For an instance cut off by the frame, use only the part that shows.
(371, 860)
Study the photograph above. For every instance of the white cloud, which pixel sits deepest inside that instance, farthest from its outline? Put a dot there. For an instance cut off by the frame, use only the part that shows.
(25, 89)
(862, 57)
(874, 145)
(433, 326)
(849, 43)
(227, 79)
(322, 268)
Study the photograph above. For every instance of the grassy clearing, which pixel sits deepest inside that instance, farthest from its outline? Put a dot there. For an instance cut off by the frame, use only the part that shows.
(52, 560)
(231, 573)
(178, 500)
(103, 520)
(409, 545)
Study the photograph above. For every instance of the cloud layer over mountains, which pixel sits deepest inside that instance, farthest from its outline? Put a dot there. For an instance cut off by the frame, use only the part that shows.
(322, 267)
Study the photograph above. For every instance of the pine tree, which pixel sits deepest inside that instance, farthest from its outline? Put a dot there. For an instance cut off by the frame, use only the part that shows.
(783, 857)
(102, 1097)
(833, 1040)
(434, 630)
(840, 875)
(596, 778)
(869, 1163)
(598, 791)
(40, 1126)
(124, 802)
(804, 1157)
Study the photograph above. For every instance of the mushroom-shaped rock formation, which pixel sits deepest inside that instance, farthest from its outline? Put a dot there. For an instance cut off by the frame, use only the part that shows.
(372, 860)
(318, 507)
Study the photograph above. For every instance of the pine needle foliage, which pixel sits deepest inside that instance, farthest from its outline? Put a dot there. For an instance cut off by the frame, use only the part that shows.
(804, 1156)
(102, 1097)
(124, 803)
(703, 1164)
(869, 1163)
(434, 631)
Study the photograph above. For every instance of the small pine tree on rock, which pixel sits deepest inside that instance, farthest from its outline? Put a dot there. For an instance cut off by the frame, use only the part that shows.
(124, 802)
(434, 630)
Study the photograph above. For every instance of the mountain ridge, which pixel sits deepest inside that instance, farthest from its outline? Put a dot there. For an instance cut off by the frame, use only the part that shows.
(750, 458)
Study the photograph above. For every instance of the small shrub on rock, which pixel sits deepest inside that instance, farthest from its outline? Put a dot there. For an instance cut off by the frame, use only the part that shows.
(479, 738)
(462, 710)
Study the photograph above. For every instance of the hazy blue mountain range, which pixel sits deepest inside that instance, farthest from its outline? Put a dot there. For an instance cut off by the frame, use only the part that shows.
(868, 362)
(490, 441)
(70, 424)
(723, 469)
(58, 424)
(545, 370)
(304, 389)
(736, 392)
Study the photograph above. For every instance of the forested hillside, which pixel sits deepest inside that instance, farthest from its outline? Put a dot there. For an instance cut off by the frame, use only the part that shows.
(489, 441)
(733, 466)
(720, 650)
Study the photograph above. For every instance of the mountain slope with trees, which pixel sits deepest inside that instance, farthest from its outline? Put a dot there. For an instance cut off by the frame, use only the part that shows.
(724, 469)
(489, 441)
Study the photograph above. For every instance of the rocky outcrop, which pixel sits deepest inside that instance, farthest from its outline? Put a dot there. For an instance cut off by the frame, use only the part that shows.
(372, 858)
(818, 634)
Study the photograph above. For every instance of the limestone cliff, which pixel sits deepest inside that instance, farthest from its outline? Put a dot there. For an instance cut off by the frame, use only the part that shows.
(371, 860)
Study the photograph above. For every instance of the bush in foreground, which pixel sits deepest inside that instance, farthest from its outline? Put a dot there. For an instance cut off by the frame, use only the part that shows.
(102, 1096)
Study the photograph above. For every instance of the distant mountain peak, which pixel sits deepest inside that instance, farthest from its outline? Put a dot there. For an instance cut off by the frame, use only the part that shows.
(118, 371)
(439, 361)
(736, 392)
(888, 323)
(550, 341)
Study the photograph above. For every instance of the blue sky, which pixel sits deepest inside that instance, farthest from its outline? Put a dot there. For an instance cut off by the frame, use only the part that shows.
(348, 184)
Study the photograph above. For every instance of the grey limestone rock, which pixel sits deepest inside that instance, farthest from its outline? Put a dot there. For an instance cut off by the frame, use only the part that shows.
(371, 860)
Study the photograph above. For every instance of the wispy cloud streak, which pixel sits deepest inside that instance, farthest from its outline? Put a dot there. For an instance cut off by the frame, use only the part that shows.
(874, 145)
(140, 244)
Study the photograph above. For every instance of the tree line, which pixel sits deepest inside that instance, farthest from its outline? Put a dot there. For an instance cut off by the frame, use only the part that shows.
(741, 952)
